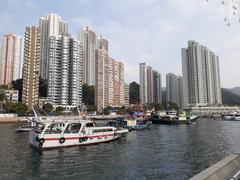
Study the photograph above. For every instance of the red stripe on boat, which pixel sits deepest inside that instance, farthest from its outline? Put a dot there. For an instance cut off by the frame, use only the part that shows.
(72, 138)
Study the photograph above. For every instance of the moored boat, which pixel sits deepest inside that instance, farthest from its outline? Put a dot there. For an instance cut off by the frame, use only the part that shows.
(172, 119)
(24, 128)
(118, 124)
(65, 131)
(232, 116)
(137, 124)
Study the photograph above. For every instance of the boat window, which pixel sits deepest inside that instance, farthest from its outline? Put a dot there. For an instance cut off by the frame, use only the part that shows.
(76, 127)
(55, 128)
(90, 125)
(73, 128)
(101, 130)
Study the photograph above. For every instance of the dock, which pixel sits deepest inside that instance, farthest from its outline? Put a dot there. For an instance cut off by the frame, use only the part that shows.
(226, 169)
(106, 117)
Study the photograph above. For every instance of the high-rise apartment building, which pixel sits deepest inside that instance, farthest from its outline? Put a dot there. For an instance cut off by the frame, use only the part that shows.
(174, 89)
(143, 83)
(102, 91)
(109, 86)
(90, 43)
(65, 71)
(11, 62)
(157, 87)
(50, 25)
(31, 66)
(150, 85)
(126, 94)
(201, 76)
(116, 96)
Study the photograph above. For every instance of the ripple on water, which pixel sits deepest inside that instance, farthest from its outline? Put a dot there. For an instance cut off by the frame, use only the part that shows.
(164, 152)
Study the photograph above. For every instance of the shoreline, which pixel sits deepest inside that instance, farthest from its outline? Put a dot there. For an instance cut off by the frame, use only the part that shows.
(4, 120)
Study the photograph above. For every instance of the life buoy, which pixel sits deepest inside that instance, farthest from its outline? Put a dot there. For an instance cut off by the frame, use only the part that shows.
(81, 140)
(86, 138)
(40, 145)
(37, 138)
(42, 140)
(62, 140)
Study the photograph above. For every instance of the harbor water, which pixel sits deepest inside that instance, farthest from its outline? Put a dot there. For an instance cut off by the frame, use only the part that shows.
(164, 152)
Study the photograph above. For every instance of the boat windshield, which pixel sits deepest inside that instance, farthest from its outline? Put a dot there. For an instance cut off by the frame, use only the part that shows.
(73, 128)
(39, 127)
(55, 128)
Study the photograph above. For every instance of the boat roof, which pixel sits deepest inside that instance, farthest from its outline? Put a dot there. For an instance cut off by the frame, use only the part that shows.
(66, 119)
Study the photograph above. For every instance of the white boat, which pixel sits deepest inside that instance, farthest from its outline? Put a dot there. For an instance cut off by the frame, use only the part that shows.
(122, 131)
(68, 131)
(118, 124)
(232, 116)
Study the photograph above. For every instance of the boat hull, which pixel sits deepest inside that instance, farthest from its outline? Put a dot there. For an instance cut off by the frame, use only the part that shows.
(138, 127)
(122, 132)
(56, 142)
(173, 122)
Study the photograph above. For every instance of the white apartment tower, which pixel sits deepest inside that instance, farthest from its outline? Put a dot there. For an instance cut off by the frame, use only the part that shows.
(174, 89)
(143, 83)
(201, 76)
(50, 25)
(150, 85)
(12, 58)
(89, 40)
(65, 71)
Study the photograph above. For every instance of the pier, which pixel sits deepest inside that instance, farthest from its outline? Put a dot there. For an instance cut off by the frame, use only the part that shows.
(106, 117)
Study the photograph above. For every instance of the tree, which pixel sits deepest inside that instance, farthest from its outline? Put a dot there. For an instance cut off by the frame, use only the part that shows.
(59, 109)
(3, 86)
(21, 109)
(18, 85)
(10, 107)
(134, 93)
(47, 107)
(91, 108)
(2, 98)
(122, 110)
(88, 94)
(173, 106)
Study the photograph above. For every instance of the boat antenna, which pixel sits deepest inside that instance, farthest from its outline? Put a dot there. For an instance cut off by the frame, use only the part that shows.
(36, 115)
(79, 113)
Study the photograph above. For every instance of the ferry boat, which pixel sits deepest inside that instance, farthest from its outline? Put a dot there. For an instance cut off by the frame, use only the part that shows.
(63, 132)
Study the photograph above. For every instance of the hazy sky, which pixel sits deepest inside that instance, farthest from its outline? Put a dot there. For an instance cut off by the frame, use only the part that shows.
(151, 31)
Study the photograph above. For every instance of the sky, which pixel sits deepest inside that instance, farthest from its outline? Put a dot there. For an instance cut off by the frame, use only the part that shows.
(151, 31)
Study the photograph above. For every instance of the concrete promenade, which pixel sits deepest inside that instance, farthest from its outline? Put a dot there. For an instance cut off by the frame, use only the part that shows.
(12, 119)
(226, 169)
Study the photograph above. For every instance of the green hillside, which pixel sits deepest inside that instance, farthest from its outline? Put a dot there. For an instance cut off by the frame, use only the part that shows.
(230, 98)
